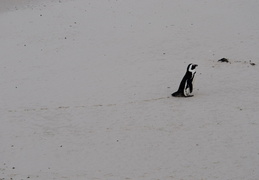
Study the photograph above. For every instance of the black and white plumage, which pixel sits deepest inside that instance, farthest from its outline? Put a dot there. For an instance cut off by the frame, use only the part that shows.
(186, 86)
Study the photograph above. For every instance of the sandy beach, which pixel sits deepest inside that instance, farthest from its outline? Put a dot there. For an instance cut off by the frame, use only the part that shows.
(86, 90)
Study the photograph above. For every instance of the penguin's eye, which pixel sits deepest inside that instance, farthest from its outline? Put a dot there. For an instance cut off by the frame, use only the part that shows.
(193, 67)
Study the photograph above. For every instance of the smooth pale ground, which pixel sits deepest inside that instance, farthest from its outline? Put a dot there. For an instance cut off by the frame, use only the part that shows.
(85, 90)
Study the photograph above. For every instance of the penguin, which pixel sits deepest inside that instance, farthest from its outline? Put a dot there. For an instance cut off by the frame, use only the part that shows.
(186, 85)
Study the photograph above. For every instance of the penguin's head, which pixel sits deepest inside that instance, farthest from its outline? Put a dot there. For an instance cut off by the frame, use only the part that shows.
(191, 67)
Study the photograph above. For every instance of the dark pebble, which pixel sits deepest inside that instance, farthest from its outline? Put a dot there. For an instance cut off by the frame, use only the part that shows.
(223, 60)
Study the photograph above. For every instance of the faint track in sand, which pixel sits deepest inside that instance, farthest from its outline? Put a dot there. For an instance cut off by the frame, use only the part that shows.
(87, 106)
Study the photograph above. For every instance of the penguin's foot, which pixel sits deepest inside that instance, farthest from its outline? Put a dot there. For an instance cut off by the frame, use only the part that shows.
(189, 96)
(179, 94)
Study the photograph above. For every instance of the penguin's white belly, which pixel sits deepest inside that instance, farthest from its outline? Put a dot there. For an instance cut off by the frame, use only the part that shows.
(186, 90)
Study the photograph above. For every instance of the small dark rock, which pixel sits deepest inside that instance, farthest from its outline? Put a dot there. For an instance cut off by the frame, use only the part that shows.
(252, 64)
(223, 60)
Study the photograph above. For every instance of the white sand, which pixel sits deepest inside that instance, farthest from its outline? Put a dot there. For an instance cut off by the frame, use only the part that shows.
(86, 84)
